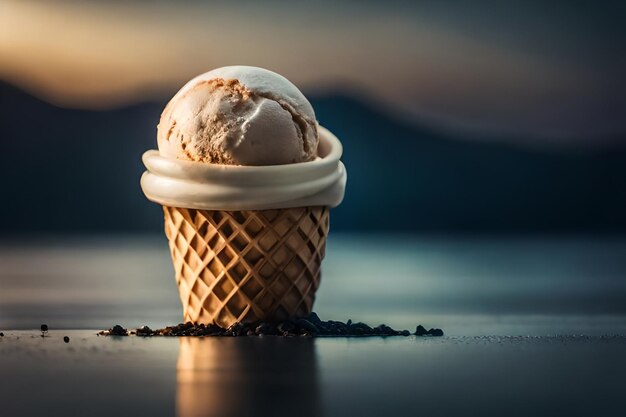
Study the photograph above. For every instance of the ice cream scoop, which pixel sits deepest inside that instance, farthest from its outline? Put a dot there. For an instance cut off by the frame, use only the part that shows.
(239, 115)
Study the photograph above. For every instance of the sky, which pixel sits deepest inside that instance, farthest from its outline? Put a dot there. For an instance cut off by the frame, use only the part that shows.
(551, 70)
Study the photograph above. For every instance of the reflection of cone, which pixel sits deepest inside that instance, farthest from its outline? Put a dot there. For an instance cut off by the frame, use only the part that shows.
(245, 266)
(247, 377)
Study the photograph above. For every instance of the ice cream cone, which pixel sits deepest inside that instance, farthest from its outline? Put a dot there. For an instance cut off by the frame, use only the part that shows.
(246, 177)
(246, 266)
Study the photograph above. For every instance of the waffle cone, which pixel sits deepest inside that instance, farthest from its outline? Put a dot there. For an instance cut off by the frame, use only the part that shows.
(246, 266)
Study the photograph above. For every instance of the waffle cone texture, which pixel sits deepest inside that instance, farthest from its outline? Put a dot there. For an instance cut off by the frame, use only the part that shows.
(246, 266)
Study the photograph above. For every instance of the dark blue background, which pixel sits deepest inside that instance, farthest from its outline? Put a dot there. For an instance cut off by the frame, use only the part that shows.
(70, 171)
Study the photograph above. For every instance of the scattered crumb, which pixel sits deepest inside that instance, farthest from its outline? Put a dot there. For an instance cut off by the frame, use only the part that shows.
(311, 325)
(421, 331)
(116, 330)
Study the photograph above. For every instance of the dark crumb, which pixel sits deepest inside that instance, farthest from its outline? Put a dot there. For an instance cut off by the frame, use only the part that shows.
(44, 328)
(1, 334)
(116, 330)
(66, 339)
(310, 325)
(144, 331)
(435, 332)
(421, 331)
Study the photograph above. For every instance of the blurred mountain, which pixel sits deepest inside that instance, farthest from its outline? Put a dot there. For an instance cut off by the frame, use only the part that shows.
(67, 171)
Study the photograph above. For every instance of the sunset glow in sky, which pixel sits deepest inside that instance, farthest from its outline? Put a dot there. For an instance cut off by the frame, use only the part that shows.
(528, 68)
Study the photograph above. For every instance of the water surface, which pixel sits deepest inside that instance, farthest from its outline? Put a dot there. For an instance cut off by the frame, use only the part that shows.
(533, 327)
(272, 376)
(524, 286)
